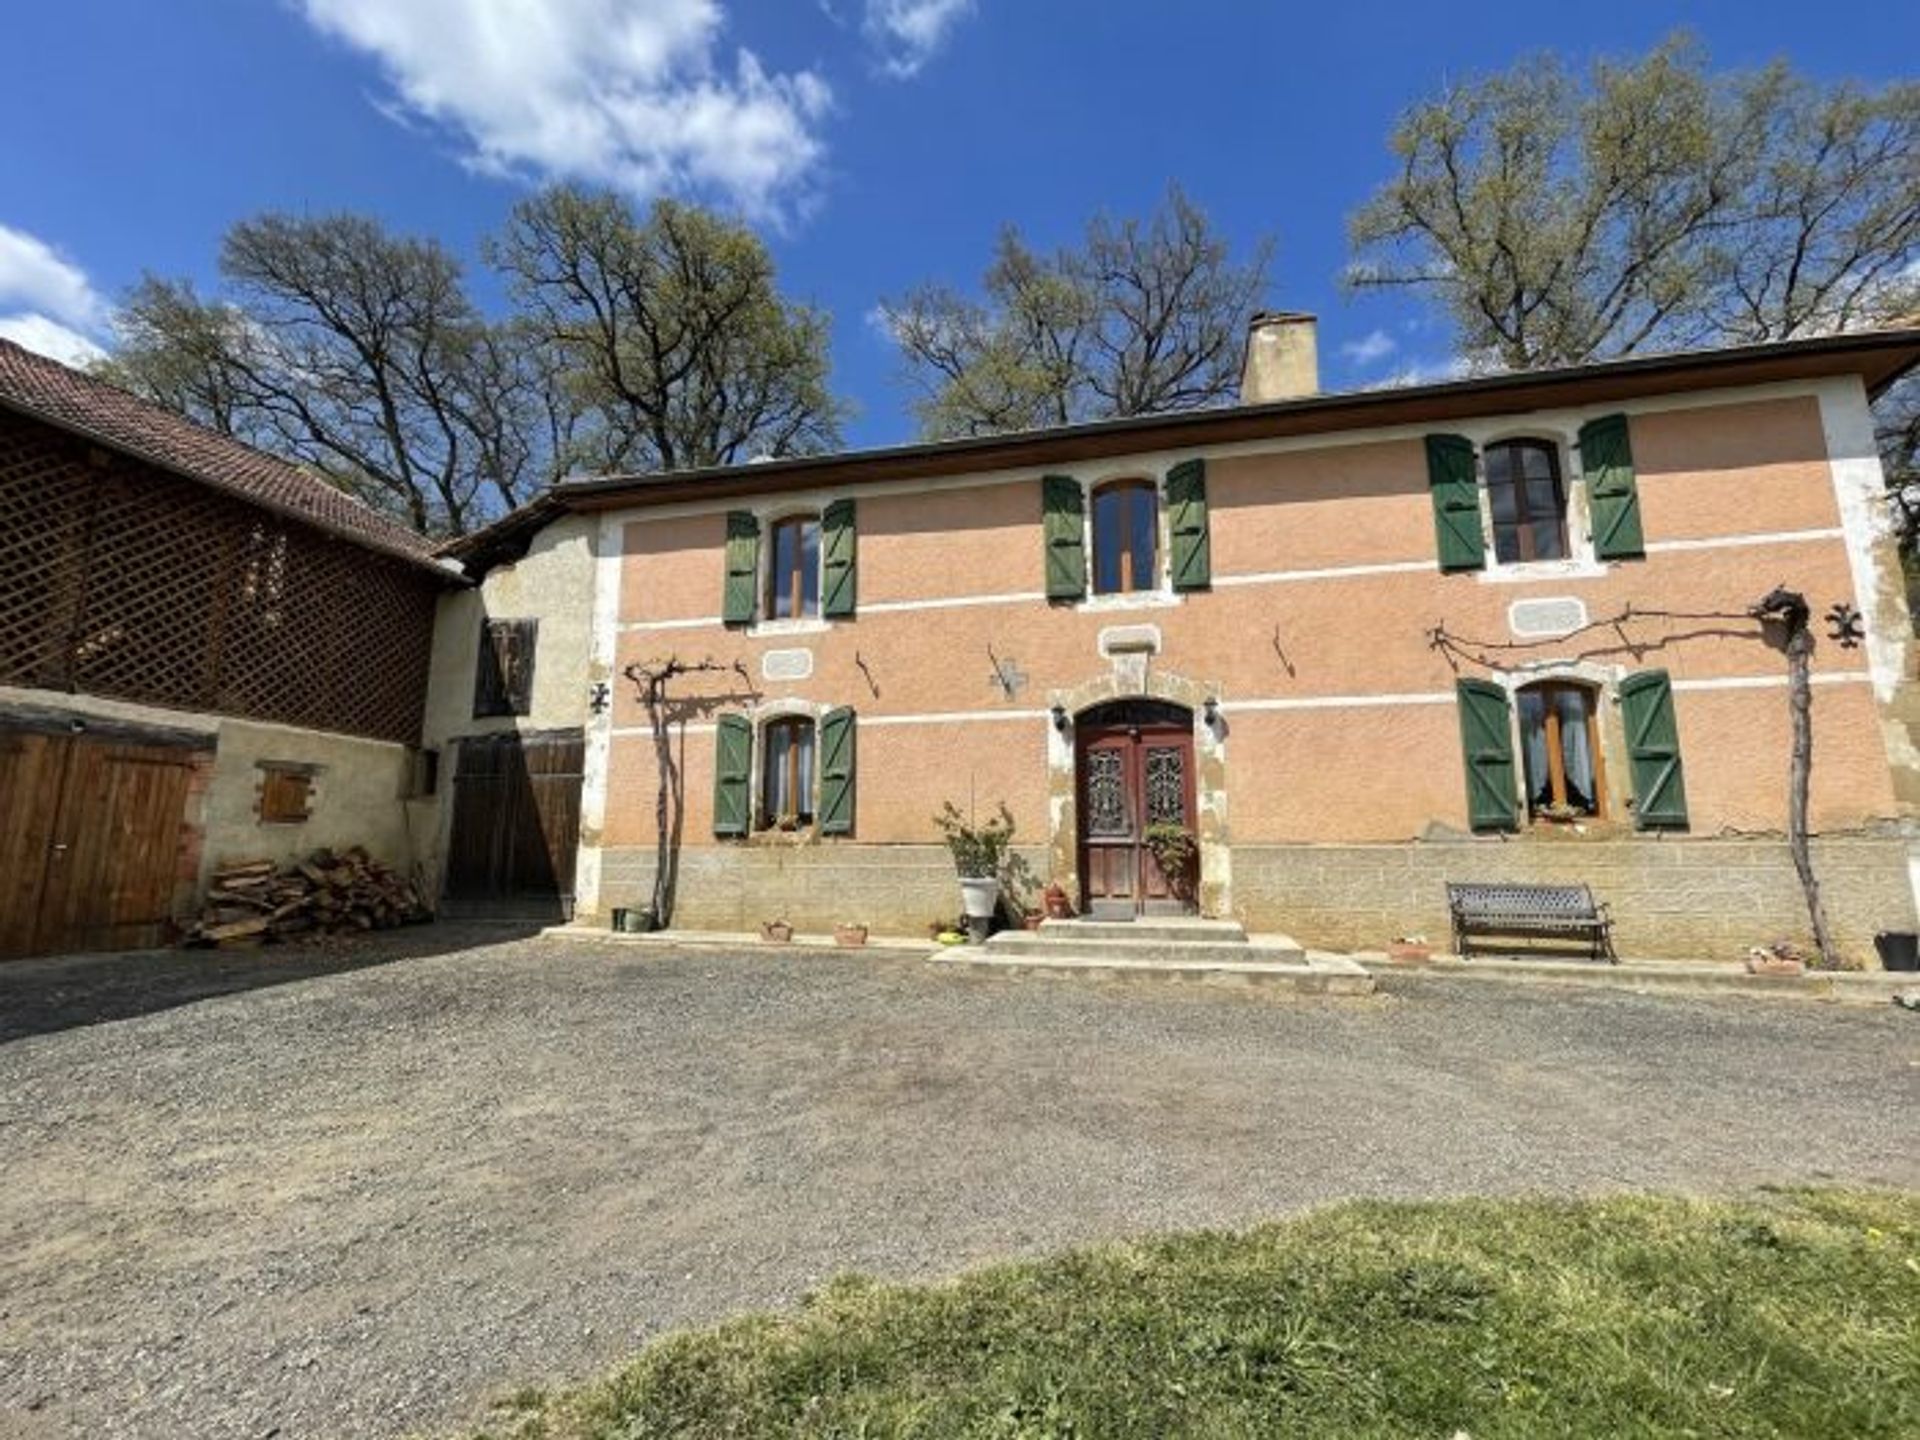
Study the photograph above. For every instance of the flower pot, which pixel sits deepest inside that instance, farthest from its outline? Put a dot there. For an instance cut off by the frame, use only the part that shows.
(617, 920)
(637, 920)
(979, 897)
(1774, 965)
(1899, 949)
(777, 932)
(1059, 905)
(849, 935)
(1404, 952)
(1032, 919)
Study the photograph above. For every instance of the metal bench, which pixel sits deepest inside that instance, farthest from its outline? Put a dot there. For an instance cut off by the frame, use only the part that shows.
(1535, 911)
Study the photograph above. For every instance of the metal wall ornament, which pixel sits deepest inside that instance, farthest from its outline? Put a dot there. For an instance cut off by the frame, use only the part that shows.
(1846, 625)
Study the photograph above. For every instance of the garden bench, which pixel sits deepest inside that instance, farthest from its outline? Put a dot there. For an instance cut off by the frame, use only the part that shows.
(1535, 911)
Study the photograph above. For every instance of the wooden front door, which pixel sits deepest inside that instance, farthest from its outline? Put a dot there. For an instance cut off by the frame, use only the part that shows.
(90, 851)
(1135, 768)
(516, 824)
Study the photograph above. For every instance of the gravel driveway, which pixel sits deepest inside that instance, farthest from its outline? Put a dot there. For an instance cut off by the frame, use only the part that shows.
(359, 1202)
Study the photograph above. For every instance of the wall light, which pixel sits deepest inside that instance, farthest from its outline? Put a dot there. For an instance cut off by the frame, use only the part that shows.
(1060, 721)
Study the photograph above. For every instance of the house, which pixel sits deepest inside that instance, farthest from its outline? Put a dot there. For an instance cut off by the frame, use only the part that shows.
(1356, 644)
(206, 655)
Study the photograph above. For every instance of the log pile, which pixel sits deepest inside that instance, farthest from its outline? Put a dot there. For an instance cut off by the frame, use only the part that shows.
(256, 902)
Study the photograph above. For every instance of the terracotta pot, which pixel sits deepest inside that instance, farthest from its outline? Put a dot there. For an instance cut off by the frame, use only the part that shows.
(1404, 954)
(1059, 907)
(1033, 919)
(850, 935)
(778, 932)
(1774, 965)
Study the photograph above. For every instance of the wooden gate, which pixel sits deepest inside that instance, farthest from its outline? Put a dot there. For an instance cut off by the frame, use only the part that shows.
(91, 846)
(1135, 764)
(516, 824)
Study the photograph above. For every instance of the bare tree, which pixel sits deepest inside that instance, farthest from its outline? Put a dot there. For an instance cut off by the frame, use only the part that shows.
(1142, 317)
(671, 332)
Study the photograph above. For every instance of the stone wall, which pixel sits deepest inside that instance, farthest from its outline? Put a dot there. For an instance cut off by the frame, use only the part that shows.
(1670, 897)
(897, 889)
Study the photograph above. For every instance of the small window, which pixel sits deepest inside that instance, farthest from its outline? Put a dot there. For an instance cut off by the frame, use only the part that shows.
(1528, 500)
(1126, 532)
(503, 683)
(793, 568)
(786, 774)
(421, 777)
(286, 793)
(1560, 745)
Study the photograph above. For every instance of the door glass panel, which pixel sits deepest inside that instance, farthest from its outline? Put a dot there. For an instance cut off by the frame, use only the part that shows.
(1166, 786)
(1106, 794)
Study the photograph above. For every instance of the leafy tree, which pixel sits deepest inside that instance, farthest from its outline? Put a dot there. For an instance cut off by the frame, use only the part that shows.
(1142, 316)
(669, 330)
(1654, 204)
(360, 353)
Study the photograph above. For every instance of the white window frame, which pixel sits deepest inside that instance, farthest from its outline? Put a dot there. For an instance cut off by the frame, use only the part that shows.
(767, 517)
(1581, 563)
(1161, 594)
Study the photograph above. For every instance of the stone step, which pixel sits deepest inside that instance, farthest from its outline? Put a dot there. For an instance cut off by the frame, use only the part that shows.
(1331, 975)
(1029, 944)
(1171, 927)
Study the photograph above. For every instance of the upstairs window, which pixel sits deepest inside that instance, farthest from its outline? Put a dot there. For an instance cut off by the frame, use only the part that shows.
(1560, 746)
(786, 773)
(793, 568)
(1528, 500)
(1126, 532)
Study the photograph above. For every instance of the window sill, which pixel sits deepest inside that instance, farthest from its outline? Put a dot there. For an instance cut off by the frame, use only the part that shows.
(1531, 571)
(774, 628)
(1130, 600)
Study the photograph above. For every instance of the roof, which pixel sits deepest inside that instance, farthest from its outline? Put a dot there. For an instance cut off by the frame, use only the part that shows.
(107, 415)
(1877, 357)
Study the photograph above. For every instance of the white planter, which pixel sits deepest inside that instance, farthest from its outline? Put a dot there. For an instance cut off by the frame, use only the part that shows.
(978, 898)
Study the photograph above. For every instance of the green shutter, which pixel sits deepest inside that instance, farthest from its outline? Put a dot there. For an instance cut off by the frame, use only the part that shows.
(1187, 525)
(733, 775)
(837, 584)
(1613, 499)
(1456, 502)
(743, 567)
(1486, 733)
(836, 772)
(1063, 509)
(1653, 751)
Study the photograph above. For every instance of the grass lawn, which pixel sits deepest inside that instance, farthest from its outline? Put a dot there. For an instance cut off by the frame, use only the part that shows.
(1790, 1314)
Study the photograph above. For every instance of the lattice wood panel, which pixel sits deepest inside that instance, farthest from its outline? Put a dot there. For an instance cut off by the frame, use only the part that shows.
(123, 580)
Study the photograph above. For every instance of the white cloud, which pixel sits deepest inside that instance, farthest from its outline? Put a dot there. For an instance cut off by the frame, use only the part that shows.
(1433, 372)
(46, 301)
(1370, 348)
(636, 94)
(908, 33)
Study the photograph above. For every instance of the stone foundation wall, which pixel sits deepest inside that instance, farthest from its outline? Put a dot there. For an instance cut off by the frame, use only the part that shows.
(1670, 898)
(897, 889)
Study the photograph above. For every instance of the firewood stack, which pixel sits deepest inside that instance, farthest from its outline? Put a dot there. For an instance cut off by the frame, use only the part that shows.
(256, 902)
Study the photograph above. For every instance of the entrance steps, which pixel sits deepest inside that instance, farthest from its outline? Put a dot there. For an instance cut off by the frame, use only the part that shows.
(1212, 951)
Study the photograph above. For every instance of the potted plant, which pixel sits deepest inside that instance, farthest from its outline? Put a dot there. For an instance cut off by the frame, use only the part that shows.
(979, 854)
(849, 933)
(1176, 850)
(1782, 957)
(776, 932)
(1059, 904)
(1409, 949)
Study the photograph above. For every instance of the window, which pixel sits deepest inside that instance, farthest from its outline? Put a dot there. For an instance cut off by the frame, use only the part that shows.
(1559, 743)
(286, 793)
(503, 681)
(1126, 526)
(1528, 500)
(793, 569)
(786, 773)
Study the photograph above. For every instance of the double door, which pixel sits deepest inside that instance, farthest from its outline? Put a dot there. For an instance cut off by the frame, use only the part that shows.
(1135, 767)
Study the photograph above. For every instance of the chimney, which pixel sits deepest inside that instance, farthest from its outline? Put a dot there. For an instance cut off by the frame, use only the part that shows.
(1283, 357)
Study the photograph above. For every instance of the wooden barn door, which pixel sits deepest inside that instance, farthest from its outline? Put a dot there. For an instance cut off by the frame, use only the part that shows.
(90, 853)
(516, 824)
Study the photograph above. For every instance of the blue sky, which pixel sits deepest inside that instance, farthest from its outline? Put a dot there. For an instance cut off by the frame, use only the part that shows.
(878, 143)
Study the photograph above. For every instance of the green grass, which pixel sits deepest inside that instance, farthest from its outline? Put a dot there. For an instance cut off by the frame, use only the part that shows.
(1792, 1314)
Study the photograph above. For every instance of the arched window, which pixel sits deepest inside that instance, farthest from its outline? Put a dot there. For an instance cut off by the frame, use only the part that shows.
(786, 773)
(1528, 499)
(793, 568)
(1560, 745)
(1126, 532)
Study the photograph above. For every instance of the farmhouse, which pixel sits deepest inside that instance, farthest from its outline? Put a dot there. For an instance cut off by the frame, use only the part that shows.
(1354, 645)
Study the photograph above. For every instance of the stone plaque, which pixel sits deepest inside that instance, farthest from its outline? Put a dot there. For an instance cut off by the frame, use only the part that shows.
(1130, 640)
(786, 665)
(1533, 619)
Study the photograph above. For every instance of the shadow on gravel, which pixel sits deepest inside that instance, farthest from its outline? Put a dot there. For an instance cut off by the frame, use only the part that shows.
(38, 997)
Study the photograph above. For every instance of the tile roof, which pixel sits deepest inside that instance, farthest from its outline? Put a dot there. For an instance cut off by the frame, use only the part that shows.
(79, 403)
